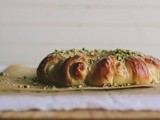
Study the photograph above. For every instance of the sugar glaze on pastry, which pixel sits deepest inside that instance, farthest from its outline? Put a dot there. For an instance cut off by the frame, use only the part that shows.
(98, 68)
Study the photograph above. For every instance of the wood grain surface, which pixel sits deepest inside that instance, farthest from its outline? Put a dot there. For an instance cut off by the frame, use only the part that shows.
(81, 114)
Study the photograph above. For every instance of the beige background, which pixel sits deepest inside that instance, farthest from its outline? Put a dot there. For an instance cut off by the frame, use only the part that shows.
(30, 29)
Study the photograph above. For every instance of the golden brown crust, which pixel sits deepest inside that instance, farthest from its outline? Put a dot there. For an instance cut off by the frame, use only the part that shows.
(154, 67)
(152, 60)
(48, 68)
(139, 70)
(102, 72)
(98, 69)
(72, 72)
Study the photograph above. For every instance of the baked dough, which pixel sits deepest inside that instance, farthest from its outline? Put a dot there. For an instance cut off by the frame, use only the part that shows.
(98, 68)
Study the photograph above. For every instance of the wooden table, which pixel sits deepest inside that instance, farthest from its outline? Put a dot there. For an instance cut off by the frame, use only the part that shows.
(91, 114)
(82, 114)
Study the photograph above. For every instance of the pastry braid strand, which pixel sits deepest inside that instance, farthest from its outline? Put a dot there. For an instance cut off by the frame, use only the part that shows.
(98, 68)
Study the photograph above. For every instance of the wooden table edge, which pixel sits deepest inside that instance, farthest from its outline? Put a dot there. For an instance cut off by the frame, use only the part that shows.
(80, 114)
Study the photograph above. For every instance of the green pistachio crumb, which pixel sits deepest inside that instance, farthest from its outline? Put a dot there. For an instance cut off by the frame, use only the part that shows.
(109, 84)
(26, 86)
(92, 53)
(53, 87)
(128, 84)
(80, 86)
(3, 74)
(120, 54)
(115, 85)
(119, 58)
(20, 86)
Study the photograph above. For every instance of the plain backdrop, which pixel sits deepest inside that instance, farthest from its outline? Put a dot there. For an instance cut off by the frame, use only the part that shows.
(30, 29)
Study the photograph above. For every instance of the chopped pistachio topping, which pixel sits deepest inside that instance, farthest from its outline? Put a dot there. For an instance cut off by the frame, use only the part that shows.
(26, 86)
(20, 86)
(53, 87)
(120, 54)
(128, 84)
(92, 53)
(115, 85)
(44, 88)
(4, 74)
(1, 74)
(80, 86)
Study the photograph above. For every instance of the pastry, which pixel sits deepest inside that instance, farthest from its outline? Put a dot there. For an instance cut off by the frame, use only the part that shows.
(98, 68)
